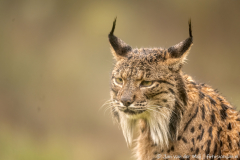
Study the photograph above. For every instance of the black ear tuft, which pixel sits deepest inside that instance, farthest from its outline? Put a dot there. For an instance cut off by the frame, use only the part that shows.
(190, 28)
(113, 27)
(179, 50)
(120, 48)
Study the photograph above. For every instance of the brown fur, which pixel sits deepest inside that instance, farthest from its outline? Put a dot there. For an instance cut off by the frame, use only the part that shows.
(175, 115)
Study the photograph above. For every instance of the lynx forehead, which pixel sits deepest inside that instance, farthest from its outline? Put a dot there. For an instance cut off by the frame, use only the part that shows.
(175, 115)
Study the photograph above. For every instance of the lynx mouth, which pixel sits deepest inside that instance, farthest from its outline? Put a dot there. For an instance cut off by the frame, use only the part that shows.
(131, 112)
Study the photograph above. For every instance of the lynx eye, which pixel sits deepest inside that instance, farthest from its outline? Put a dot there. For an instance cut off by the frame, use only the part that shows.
(119, 80)
(146, 83)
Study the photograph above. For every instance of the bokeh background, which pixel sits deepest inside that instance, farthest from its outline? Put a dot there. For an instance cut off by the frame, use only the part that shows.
(55, 67)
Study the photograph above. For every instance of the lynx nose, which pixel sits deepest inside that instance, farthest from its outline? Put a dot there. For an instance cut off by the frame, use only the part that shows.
(126, 101)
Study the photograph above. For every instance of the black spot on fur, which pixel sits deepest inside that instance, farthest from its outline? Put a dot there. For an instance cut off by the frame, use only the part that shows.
(168, 151)
(194, 116)
(197, 151)
(184, 140)
(179, 138)
(203, 85)
(172, 148)
(213, 102)
(201, 95)
(223, 111)
(130, 57)
(200, 127)
(219, 153)
(230, 142)
(193, 83)
(207, 151)
(148, 73)
(192, 129)
(158, 57)
(200, 136)
(164, 100)
(171, 90)
(153, 145)
(215, 149)
(223, 114)
(229, 126)
(156, 152)
(221, 143)
(164, 56)
(193, 142)
(203, 112)
(215, 90)
(210, 131)
(201, 147)
(220, 99)
(144, 51)
(191, 149)
(213, 117)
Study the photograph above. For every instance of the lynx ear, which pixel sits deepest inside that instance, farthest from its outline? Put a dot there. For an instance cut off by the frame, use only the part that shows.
(180, 50)
(119, 48)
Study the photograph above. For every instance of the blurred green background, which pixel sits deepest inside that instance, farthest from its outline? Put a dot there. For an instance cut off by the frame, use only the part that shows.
(55, 67)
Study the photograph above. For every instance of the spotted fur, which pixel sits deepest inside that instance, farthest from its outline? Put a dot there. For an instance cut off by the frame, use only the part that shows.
(175, 115)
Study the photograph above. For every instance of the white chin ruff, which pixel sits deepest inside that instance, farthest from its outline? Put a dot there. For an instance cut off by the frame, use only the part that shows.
(157, 122)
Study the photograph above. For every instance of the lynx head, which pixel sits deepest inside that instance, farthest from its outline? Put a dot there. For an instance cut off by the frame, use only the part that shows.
(147, 84)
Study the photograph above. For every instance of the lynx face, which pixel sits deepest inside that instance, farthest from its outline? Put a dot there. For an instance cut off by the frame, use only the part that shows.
(140, 87)
(147, 84)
